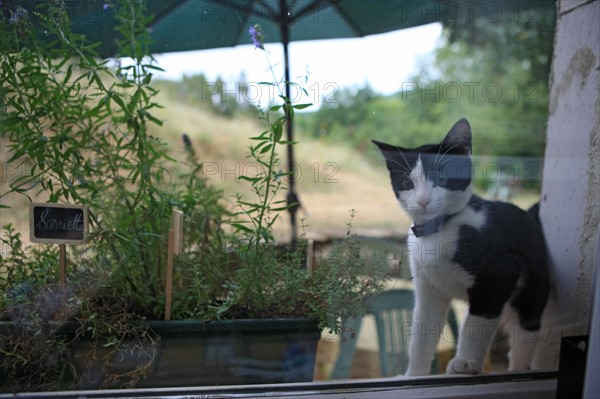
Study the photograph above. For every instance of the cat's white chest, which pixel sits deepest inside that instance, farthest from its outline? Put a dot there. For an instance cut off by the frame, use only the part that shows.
(431, 257)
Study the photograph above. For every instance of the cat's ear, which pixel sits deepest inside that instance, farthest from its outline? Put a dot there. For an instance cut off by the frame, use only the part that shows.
(392, 154)
(389, 151)
(385, 148)
(458, 139)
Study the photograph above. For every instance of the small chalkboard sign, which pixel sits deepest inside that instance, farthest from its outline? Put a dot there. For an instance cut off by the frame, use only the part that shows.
(57, 223)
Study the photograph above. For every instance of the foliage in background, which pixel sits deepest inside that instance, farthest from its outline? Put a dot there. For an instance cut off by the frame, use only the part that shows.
(523, 38)
(218, 95)
(495, 73)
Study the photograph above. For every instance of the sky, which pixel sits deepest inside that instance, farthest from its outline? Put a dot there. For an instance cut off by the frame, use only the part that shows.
(384, 61)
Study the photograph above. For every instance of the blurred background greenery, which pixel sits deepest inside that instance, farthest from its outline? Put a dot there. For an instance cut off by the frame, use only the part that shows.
(495, 74)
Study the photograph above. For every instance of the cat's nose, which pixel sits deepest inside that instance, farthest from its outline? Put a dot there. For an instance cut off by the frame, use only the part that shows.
(423, 202)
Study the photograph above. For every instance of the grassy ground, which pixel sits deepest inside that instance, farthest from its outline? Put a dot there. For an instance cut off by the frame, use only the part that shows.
(331, 179)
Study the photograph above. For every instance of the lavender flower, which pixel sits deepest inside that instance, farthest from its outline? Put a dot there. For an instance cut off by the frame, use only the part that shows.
(256, 36)
(17, 15)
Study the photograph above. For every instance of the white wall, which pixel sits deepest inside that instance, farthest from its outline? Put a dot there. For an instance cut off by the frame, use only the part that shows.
(570, 192)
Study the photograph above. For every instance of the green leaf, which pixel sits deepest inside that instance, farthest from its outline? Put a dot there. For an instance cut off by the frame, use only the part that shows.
(249, 204)
(265, 234)
(263, 136)
(241, 227)
(155, 67)
(274, 219)
(302, 106)
(277, 129)
(68, 74)
(135, 99)
(257, 147)
(147, 79)
(266, 149)
(117, 98)
(250, 179)
(289, 111)
(154, 119)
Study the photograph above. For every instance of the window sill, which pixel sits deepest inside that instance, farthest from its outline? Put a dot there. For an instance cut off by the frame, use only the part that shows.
(532, 385)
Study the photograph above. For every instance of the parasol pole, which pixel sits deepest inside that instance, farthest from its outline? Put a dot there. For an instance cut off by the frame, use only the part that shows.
(292, 197)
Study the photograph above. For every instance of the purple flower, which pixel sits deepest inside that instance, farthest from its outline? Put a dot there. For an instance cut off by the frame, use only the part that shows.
(256, 36)
(17, 15)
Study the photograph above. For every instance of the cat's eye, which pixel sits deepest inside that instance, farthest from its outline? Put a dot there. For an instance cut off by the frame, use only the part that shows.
(407, 184)
(441, 179)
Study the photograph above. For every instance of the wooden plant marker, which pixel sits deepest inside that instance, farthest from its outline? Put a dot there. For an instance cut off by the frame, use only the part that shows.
(58, 224)
(174, 247)
(62, 253)
(310, 257)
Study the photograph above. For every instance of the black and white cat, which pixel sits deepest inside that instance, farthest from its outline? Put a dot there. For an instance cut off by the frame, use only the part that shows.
(491, 254)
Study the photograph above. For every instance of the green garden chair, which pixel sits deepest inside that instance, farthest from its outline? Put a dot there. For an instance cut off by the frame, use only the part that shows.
(392, 311)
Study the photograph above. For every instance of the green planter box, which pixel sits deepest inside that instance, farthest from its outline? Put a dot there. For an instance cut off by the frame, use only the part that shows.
(194, 353)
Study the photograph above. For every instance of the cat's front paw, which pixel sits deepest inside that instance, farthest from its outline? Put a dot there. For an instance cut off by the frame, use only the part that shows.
(463, 366)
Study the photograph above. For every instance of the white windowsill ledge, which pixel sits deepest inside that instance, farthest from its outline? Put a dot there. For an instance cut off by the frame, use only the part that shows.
(531, 385)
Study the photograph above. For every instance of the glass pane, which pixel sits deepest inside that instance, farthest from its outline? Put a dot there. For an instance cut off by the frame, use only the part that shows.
(225, 218)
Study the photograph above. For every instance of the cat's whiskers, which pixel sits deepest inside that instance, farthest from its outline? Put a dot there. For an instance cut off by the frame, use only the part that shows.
(403, 168)
(407, 168)
(437, 156)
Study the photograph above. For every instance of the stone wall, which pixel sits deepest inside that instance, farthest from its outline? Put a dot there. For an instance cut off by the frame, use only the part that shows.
(570, 190)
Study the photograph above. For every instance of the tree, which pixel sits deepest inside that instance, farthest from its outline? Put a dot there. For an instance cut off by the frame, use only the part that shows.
(516, 36)
(493, 69)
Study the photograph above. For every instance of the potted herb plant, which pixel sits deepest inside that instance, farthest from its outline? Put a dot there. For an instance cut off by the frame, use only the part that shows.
(86, 132)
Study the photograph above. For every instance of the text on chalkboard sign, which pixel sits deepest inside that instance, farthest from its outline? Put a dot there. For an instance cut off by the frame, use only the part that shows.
(57, 223)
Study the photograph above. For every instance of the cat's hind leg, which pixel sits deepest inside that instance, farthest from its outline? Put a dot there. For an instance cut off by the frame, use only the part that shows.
(524, 314)
(522, 347)
(522, 341)
(487, 299)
